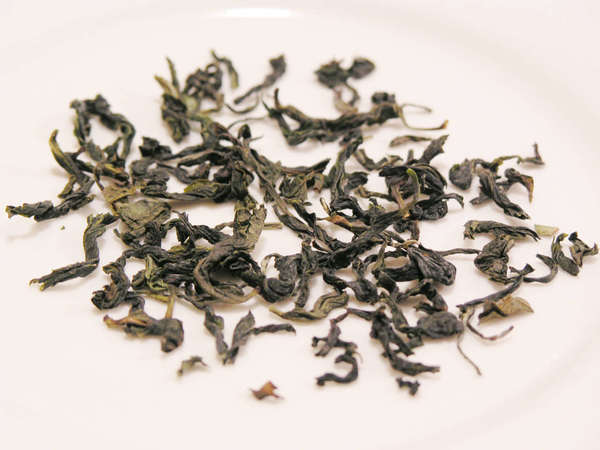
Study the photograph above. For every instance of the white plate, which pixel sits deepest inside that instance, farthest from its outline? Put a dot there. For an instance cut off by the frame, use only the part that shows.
(505, 77)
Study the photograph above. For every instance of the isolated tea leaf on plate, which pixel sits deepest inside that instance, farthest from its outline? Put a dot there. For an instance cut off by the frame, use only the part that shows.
(267, 390)
(412, 386)
(189, 364)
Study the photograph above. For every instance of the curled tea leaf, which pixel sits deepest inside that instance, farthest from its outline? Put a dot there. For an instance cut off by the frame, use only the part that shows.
(580, 249)
(278, 66)
(352, 375)
(189, 364)
(267, 390)
(96, 227)
(138, 323)
(497, 229)
(564, 262)
(412, 386)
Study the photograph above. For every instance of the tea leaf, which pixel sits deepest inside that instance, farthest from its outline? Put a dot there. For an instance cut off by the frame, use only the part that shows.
(267, 389)
(189, 364)
(506, 306)
(278, 66)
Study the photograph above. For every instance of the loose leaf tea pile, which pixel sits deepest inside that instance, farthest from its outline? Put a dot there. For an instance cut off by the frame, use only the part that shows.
(391, 270)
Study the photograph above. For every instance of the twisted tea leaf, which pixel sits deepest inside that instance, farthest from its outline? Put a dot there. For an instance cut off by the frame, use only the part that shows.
(72, 199)
(473, 227)
(440, 325)
(412, 386)
(244, 328)
(332, 340)
(493, 258)
(580, 249)
(215, 326)
(278, 67)
(96, 227)
(139, 324)
(352, 375)
(490, 188)
(564, 262)
(323, 306)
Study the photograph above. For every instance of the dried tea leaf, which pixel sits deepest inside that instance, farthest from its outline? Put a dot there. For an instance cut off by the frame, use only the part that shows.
(407, 138)
(513, 176)
(352, 375)
(139, 324)
(233, 75)
(96, 227)
(552, 265)
(580, 249)
(323, 306)
(267, 389)
(489, 187)
(545, 230)
(440, 324)
(564, 262)
(461, 175)
(137, 214)
(506, 306)
(493, 258)
(334, 76)
(332, 340)
(497, 229)
(71, 199)
(215, 325)
(412, 386)
(244, 328)
(115, 293)
(278, 66)
(189, 364)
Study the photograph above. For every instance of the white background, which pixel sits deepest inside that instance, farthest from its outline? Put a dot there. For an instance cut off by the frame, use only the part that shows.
(504, 74)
